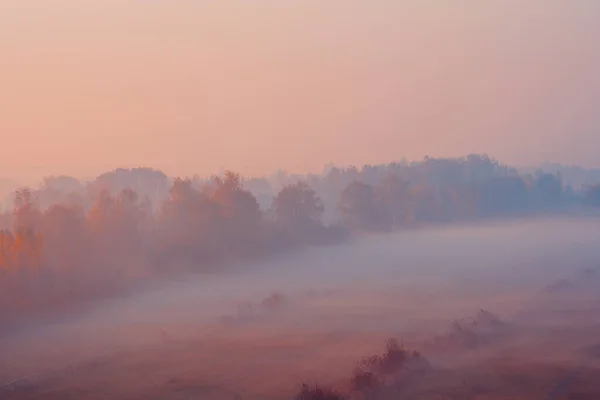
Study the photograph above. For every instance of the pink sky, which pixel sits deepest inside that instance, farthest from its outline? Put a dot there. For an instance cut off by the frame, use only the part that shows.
(191, 86)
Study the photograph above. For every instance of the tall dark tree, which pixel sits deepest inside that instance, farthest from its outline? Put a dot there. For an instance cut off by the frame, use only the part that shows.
(297, 206)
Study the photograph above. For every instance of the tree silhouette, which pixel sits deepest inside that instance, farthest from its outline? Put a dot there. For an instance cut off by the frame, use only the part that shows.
(358, 207)
(297, 207)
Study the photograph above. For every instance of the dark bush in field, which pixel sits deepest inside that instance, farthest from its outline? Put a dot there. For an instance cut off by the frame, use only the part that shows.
(395, 358)
(375, 375)
(318, 393)
(364, 381)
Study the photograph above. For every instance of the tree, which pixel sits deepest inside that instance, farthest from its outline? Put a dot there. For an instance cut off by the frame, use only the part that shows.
(66, 238)
(358, 207)
(119, 226)
(233, 200)
(21, 250)
(122, 215)
(7, 253)
(592, 195)
(25, 240)
(148, 183)
(297, 207)
(463, 201)
(394, 201)
(548, 190)
(505, 194)
(188, 227)
(239, 214)
(59, 189)
(428, 204)
(26, 213)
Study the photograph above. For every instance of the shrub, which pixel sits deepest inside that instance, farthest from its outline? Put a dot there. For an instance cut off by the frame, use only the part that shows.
(318, 393)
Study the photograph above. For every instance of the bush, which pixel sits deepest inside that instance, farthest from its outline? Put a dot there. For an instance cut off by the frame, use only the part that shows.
(318, 393)
(364, 381)
(395, 366)
(395, 358)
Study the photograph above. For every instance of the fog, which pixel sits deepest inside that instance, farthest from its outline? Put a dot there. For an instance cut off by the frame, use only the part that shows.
(451, 276)
(219, 336)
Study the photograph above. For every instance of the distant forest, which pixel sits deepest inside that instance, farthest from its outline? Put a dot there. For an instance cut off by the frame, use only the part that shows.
(69, 240)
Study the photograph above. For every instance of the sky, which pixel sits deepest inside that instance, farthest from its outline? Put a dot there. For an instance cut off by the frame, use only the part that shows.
(194, 86)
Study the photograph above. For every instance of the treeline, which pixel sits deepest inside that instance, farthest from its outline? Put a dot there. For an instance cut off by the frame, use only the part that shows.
(67, 240)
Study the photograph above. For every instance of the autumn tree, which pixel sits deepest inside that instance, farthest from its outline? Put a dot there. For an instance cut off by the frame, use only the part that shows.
(27, 242)
(8, 261)
(239, 215)
(22, 250)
